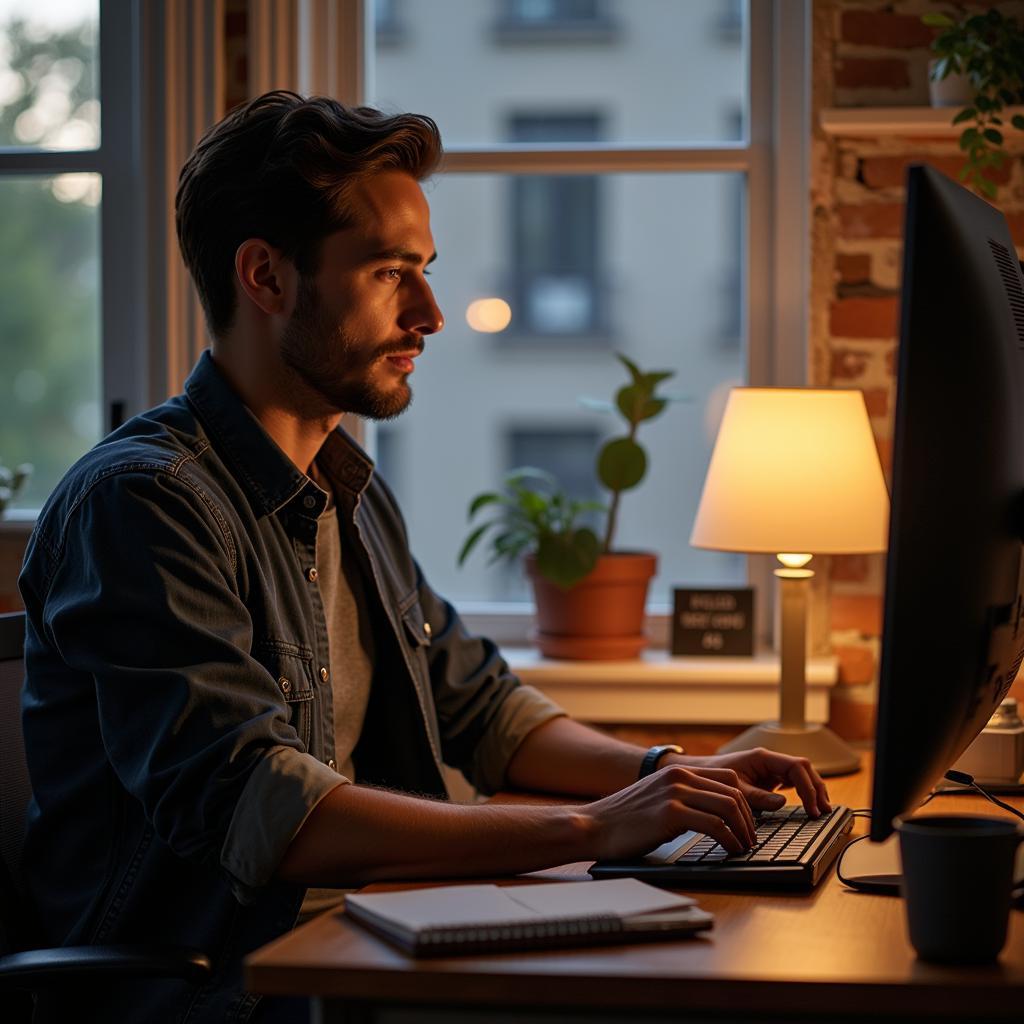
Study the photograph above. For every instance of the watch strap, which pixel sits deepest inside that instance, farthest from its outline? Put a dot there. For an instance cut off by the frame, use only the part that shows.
(649, 764)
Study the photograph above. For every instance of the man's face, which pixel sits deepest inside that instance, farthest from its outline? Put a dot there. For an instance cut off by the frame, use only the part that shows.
(360, 321)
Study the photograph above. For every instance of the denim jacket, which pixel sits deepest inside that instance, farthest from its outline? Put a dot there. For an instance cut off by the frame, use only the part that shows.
(175, 698)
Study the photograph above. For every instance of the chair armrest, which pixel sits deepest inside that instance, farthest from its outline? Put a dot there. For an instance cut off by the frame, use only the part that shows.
(46, 969)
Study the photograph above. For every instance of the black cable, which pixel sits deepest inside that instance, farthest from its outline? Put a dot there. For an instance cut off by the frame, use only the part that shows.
(958, 778)
(963, 779)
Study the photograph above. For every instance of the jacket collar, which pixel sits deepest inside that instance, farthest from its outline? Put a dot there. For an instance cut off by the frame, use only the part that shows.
(269, 477)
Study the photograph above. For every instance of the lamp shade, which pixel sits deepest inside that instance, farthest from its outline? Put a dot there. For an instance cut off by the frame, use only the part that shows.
(793, 469)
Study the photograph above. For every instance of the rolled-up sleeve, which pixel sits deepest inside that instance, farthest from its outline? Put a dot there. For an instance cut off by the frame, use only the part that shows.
(484, 711)
(281, 792)
(522, 711)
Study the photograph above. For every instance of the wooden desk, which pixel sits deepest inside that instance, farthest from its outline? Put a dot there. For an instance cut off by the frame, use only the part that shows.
(831, 954)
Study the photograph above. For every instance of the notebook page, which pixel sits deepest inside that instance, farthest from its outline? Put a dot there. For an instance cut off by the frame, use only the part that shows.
(620, 896)
(446, 905)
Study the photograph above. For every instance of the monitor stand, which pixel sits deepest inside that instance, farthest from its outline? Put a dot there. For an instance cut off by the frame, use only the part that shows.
(873, 867)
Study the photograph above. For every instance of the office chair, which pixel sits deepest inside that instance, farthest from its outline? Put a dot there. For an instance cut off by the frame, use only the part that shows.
(24, 969)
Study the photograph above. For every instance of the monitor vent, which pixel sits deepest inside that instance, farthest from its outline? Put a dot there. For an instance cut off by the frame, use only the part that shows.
(1009, 268)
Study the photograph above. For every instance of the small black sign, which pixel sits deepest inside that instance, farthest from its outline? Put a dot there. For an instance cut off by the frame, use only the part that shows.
(714, 622)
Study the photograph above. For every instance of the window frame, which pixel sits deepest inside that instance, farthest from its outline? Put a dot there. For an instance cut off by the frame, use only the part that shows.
(774, 158)
(112, 161)
(161, 90)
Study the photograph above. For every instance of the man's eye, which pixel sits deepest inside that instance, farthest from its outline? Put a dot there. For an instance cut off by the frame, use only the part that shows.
(392, 273)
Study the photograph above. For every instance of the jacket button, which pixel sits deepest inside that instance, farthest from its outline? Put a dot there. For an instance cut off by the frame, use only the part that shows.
(285, 684)
(312, 574)
(309, 501)
(324, 674)
(427, 630)
(332, 765)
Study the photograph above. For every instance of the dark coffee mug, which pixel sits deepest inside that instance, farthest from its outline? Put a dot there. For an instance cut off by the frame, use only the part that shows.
(957, 881)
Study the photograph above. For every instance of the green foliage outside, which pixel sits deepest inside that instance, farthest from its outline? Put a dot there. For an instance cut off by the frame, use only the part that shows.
(988, 48)
(535, 515)
(49, 279)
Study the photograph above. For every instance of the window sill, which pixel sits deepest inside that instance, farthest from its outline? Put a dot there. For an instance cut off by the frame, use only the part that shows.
(659, 688)
(896, 121)
(17, 523)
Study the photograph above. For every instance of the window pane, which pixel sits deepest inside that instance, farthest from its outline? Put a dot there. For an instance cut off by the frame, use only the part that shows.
(653, 70)
(49, 326)
(49, 74)
(669, 256)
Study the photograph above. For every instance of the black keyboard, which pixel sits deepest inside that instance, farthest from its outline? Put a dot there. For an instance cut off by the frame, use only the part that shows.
(792, 850)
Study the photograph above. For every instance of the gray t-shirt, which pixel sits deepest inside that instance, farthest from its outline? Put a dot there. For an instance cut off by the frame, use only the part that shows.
(350, 643)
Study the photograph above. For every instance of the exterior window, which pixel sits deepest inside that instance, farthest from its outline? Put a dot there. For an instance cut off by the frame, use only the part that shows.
(567, 453)
(615, 198)
(548, 12)
(548, 21)
(50, 210)
(556, 237)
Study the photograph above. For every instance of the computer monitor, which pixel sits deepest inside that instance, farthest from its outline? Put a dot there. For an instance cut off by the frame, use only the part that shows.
(953, 636)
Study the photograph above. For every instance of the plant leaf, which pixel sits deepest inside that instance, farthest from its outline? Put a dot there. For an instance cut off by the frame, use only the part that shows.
(487, 498)
(634, 370)
(987, 187)
(630, 400)
(471, 541)
(1018, 122)
(994, 136)
(565, 558)
(621, 464)
(521, 473)
(935, 20)
(965, 115)
(652, 380)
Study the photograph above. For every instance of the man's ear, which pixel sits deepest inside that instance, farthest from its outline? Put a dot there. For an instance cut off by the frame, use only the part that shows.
(265, 276)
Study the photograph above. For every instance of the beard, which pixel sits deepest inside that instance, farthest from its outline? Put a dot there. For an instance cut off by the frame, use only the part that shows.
(337, 365)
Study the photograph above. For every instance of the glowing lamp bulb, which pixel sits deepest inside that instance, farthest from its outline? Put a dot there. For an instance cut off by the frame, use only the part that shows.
(489, 316)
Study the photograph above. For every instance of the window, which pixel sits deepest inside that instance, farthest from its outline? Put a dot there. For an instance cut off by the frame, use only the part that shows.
(555, 230)
(100, 103)
(50, 208)
(554, 21)
(614, 173)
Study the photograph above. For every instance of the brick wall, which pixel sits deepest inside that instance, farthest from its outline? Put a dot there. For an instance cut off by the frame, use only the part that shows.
(870, 54)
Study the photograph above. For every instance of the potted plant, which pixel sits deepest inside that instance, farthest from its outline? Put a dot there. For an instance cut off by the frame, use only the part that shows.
(11, 482)
(590, 597)
(987, 48)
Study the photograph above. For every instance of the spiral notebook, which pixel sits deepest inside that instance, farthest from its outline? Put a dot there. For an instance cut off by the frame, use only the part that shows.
(468, 919)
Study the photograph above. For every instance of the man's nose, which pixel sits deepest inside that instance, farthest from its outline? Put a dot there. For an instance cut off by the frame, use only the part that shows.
(423, 315)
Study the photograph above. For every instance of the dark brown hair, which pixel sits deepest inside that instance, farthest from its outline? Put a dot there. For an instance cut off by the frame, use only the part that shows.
(281, 168)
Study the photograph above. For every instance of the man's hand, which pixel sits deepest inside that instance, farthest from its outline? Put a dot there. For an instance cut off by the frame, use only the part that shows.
(666, 804)
(758, 772)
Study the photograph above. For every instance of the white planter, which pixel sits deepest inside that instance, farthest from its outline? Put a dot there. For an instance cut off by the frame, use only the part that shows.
(951, 91)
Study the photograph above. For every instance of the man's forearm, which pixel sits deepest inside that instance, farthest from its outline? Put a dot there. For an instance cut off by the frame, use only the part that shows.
(357, 835)
(564, 756)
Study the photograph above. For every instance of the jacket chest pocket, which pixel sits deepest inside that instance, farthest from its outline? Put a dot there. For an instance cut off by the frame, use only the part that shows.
(418, 633)
(291, 665)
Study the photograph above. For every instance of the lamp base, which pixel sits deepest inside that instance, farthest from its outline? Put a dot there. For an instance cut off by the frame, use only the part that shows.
(818, 743)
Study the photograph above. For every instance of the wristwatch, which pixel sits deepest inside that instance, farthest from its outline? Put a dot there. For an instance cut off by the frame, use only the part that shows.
(649, 764)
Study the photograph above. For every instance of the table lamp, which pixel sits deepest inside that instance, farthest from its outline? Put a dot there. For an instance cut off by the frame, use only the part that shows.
(794, 473)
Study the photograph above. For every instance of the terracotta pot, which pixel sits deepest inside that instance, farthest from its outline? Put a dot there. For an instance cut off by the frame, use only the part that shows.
(602, 616)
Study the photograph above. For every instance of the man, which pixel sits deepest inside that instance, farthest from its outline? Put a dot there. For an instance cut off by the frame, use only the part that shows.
(240, 689)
